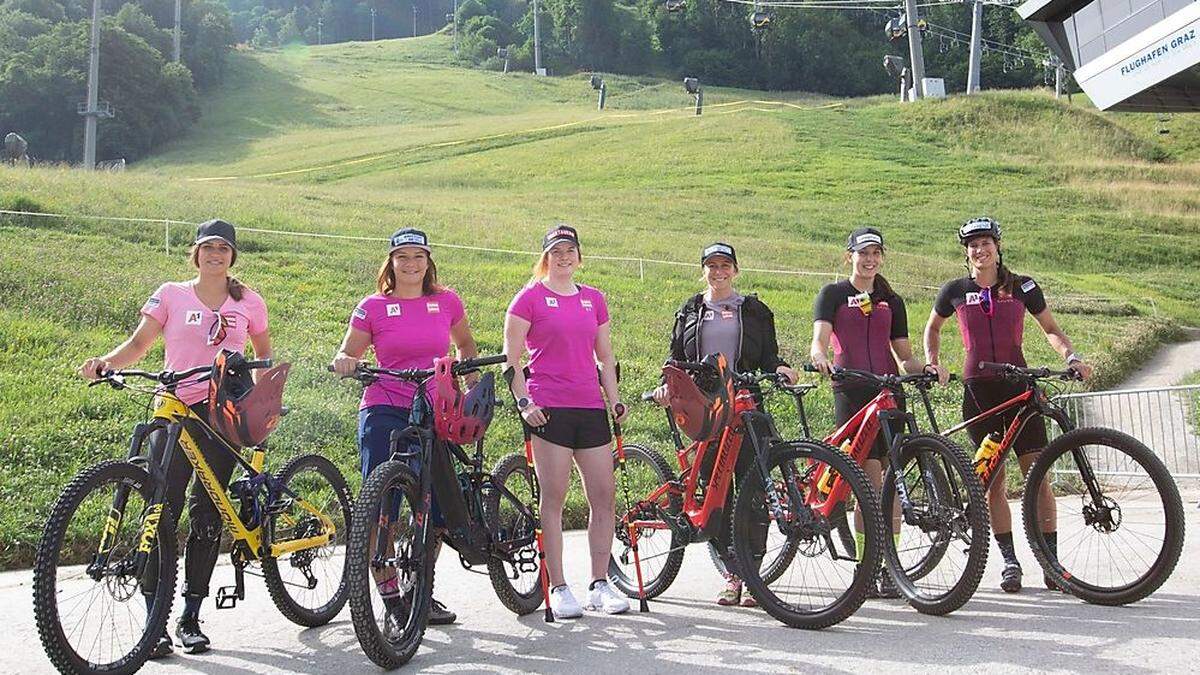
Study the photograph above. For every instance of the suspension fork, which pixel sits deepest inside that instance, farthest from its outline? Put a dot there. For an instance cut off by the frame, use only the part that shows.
(619, 440)
(894, 443)
(508, 375)
(148, 532)
(761, 458)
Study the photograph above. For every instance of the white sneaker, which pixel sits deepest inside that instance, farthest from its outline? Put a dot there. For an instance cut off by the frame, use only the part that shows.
(563, 603)
(602, 598)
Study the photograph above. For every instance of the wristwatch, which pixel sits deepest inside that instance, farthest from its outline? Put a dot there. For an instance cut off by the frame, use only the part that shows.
(523, 403)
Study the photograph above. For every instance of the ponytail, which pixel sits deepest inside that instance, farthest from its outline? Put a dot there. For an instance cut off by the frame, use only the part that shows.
(236, 288)
(882, 286)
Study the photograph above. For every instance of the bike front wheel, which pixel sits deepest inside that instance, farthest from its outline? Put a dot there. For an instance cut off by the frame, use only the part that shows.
(939, 551)
(93, 613)
(389, 569)
(1116, 512)
(511, 515)
(660, 546)
(825, 580)
(309, 585)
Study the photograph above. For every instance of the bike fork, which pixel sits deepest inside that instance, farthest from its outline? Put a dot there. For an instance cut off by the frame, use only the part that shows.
(643, 605)
(541, 545)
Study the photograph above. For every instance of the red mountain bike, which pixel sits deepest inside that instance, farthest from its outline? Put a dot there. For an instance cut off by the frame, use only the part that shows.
(1117, 512)
(799, 572)
(939, 544)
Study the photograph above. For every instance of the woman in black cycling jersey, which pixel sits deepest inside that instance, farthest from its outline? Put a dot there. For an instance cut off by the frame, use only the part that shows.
(197, 319)
(990, 304)
(743, 329)
(867, 324)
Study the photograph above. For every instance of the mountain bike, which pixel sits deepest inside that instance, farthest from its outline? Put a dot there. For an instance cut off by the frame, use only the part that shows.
(939, 554)
(783, 540)
(112, 525)
(490, 519)
(1119, 515)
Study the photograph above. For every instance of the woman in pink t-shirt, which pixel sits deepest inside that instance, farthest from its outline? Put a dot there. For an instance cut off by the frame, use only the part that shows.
(565, 328)
(197, 319)
(409, 322)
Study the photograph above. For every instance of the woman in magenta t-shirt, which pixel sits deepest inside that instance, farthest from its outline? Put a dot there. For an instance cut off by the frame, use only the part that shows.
(197, 319)
(565, 328)
(409, 322)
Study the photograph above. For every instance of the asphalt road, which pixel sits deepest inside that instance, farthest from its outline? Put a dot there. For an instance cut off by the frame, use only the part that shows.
(686, 632)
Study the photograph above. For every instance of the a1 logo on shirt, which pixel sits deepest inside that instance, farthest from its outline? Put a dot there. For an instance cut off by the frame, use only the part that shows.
(862, 301)
(974, 298)
(552, 302)
(393, 309)
(194, 317)
(709, 315)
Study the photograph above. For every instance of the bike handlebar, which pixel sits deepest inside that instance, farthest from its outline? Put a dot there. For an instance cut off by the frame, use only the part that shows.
(838, 373)
(166, 378)
(1031, 373)
(363, 372)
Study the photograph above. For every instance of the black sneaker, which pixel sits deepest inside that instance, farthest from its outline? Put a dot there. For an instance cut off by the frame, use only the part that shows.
(162, 648)
(188, 632)
(887, 586)
(1010, 578)
(440, 616)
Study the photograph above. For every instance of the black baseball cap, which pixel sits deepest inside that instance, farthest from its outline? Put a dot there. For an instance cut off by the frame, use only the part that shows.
(409, 236)
(718, 248)
(559, 233)
(864, 237)
(216, 229)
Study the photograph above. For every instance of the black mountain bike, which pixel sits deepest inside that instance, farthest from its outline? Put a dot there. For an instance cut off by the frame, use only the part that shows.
(491, 519)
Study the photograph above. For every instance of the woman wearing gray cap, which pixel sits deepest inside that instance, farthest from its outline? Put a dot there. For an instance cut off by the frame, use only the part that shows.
(197, 319)
(742, 328)
(867, 324)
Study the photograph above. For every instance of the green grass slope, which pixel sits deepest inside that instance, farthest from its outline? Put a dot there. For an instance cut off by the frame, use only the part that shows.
(357, 140)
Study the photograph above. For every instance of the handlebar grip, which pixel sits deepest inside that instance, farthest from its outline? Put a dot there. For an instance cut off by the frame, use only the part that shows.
(483, 361)
(992, 365)
(260, 363)
(619, 409)
(810, 368)
(647, 396)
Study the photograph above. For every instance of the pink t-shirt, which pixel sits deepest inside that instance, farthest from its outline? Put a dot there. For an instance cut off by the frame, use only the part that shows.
(562, 344)
(187, 324)
(406, 333)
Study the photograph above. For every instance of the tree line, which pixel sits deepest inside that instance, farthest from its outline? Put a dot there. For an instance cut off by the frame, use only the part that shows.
(44, 48)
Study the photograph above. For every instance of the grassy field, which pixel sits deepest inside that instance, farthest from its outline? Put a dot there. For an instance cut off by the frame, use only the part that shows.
(360, 139)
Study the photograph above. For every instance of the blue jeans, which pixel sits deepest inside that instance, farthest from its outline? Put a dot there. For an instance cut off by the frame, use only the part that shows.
(375, 426)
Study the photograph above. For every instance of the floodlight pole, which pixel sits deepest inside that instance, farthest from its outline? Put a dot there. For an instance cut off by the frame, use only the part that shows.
(178, 20)
(455, 26)
(414, 18)
(372, 24)
(976, 46)
(537, 41)
(93, 92)
(320, 25)
(916, 56)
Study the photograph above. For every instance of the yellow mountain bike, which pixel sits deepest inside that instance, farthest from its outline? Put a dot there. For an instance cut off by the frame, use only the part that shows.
(111, 527)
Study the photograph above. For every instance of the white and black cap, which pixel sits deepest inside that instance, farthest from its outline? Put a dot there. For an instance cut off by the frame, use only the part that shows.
(216, 229)
(409, 236)
(978, 227)
(560, 233)
(864, 237)
(719, 248)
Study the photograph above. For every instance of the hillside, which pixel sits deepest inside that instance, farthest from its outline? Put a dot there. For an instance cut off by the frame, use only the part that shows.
(358, 139)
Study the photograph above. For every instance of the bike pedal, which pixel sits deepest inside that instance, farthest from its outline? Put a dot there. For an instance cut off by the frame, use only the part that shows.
(227, 597)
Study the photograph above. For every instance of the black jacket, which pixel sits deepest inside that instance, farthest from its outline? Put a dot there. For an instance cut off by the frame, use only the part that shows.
(759, 349)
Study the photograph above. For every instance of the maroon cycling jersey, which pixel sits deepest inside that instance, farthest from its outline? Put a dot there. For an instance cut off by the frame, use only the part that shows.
(992, 324)
(863, 327)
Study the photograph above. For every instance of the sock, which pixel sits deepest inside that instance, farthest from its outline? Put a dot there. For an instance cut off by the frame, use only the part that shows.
(1005, 541)
(191, 606)
(596, 582)
(1052, 543)
(860, 542)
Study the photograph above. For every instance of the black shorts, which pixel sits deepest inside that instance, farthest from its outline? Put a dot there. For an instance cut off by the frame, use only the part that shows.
(982, 394)
(846, 404)
(575, 428)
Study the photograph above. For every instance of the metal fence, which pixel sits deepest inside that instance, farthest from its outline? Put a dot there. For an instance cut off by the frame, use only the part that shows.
(1167, 419)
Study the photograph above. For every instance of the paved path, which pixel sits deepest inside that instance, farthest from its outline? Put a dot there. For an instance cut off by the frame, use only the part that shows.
(687, 633)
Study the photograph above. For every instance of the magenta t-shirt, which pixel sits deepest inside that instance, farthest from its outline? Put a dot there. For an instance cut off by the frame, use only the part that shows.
(562, 344)
(406, 333)
(187, 324)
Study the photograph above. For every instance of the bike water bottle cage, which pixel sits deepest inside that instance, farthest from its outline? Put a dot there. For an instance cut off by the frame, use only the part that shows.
(461, 418)
(242, 411)
(701, 400)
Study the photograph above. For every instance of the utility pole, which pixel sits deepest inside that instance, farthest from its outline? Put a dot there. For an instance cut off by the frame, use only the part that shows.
(178, 19)
(455, 26)
(916, 56)
(1059, 76)
(537, 42)
(91, 110)
(976, 46)
(320, 25)
(372, 24)
(414, 18)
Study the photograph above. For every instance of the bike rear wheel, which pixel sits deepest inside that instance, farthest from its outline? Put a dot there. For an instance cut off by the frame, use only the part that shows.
(388, 553)
(309, 586)
(942, 547)
(94, 618)
(660, 547)
(825, 581)
(511, 514)
(1116, 545)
